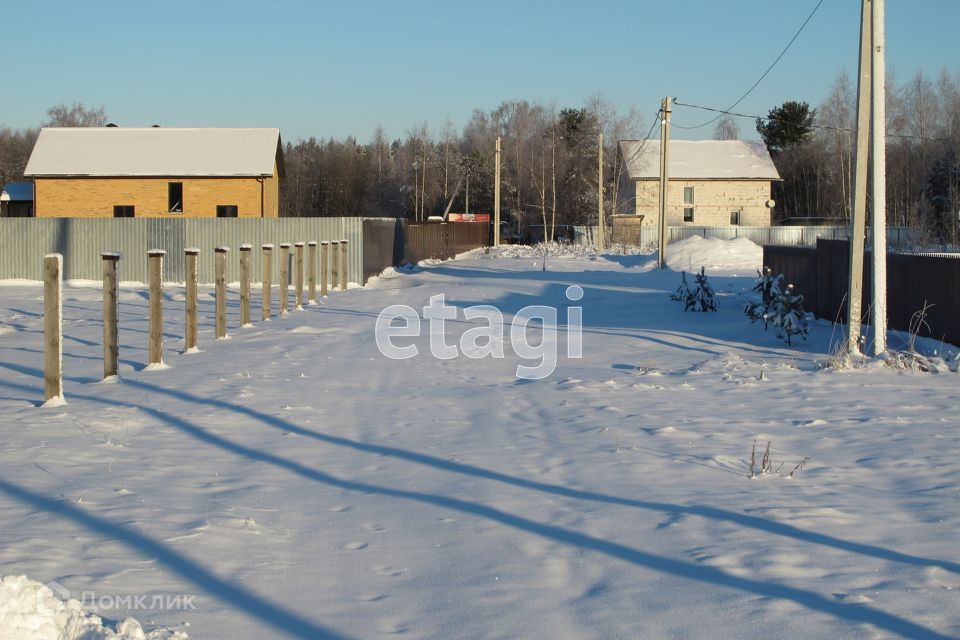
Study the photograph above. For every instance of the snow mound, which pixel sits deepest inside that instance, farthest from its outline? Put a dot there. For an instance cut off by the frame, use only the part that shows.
(559, 250)
(32, 611)
(736, 257)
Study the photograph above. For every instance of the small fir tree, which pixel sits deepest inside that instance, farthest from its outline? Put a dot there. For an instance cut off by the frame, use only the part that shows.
(701, 298)
(769, 288)
(789, 317)
(683, 291)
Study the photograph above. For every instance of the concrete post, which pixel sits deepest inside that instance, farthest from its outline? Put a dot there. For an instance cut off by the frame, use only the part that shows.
(324, 267)
(284, 258)
(298, 275)
(858, 218)
(879, 187)
(344, 265)
(190, 318)
(245, 250)
(312, 272)
(220, 286)
(156, 306)
(266, 268)
(53, 329)
(111, 315)
(334, 264)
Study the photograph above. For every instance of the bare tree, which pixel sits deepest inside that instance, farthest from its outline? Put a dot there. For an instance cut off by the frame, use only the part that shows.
(75, 115)
(726, 128)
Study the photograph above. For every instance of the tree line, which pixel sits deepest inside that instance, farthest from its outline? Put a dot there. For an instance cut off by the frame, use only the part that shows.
(549, 160)
(813, 149)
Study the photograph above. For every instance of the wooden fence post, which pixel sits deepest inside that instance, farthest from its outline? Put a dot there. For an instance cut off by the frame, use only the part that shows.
(334, 264)
(190, 256)
(324, 267)
(245, 250)
(53, 329)
(284, 258)
(344, 266)
(220, 286)
(111, 316)
(312, 272)
(266, 267)
(156, 307)
(298, 277)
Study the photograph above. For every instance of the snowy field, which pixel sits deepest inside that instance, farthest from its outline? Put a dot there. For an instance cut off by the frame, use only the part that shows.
(293, 482)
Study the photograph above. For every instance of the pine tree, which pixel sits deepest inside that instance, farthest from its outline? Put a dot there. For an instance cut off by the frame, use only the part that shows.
(789, 317)
(768, 286)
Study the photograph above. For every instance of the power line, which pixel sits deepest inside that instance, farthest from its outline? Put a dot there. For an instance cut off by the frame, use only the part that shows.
(769, 69)
(812, 126)
(643, 142)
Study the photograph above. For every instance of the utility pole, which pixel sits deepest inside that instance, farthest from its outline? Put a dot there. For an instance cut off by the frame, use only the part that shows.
(496, 199)
(879, 186)
(602, 223)
(859, 208)
(664, 180)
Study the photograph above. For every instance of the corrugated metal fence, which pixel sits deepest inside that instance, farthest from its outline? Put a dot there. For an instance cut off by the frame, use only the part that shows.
(796, 236)
(24, 241)
(822, 275)
(400, 241)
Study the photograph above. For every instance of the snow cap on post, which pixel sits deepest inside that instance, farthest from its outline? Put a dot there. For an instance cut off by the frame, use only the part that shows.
(267, 246)
(110, 255)
(192, 251)
(221, 249)
(246, 246)
(157, 252)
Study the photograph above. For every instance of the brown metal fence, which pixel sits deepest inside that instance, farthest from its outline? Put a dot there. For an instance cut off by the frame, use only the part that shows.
(388, 243)
(913, 281)
(383, 245)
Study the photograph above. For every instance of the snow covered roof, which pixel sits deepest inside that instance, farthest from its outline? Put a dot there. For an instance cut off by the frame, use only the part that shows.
(119, 151)
(700, 159)
(17, 192)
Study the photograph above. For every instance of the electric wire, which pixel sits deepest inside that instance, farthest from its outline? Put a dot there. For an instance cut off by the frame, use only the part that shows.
(769, 69)
(812, 126)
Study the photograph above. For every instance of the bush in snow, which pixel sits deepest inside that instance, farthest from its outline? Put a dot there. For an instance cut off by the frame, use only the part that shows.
(700, 298)
(789, 317)
(768, 286)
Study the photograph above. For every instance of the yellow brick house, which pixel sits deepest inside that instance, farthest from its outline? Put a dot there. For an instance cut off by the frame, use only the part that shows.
(156, 172)
(712, 183)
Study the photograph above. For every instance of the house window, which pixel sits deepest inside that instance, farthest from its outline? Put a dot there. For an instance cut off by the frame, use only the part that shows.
(123, 211)
(688, 213)
(226, 211)
(688, 195)
(734, 217)
(175, 197)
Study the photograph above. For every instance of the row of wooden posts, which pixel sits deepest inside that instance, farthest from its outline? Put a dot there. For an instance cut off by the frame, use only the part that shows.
(333, 270)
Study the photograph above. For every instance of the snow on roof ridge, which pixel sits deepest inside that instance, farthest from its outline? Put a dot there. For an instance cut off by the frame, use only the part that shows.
(700, 159)
(150, 151)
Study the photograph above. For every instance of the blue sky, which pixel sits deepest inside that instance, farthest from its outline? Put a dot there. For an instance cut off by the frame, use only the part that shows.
(331, 69)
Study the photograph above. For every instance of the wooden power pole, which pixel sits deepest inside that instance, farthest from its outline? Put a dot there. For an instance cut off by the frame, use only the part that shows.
(664, 180)
(601, 221)
(496, 199)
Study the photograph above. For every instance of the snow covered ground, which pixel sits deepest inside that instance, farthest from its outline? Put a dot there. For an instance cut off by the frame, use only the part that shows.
(293, 482)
